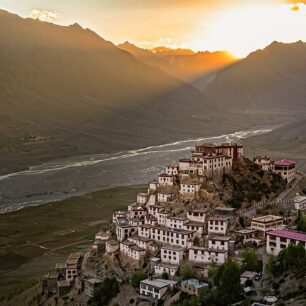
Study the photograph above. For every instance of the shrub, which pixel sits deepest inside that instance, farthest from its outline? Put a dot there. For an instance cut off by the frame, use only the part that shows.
(137, 278)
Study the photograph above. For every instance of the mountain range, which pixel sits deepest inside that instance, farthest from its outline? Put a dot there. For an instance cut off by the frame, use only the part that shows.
(196, 68)
(66, 91)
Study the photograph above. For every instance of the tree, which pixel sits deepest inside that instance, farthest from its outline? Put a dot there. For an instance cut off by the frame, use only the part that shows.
(292, 258)
(208, 297)
(301, 224)
(251, 261)
(137, 278)
(188, 271)
(212, 271)
(105, 292)
(228, 285)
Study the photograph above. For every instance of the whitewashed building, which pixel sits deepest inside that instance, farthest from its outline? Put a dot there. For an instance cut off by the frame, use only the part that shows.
(135, 221)
(299, 202)
(161, 268)
(196, 227)
(278, 240)
(207, 256)
(164, 235)
(132, 250)
(142, 198)
(142, 242)
(197, 215)
(217, 225)
(156, 288)
(111, 246)
(161, 217)
(184, 164)
(153, 186)
(172, 170)
(190, 189)
(286, 168)
(149, 219)
(165, 196)
(219, 242)
(166, 180)
(154, 209)
(135, 211)
(266, 223)
(119, 214)
(176, 222)
(125, 231)
(171, 255)
(176, 237)
(265, 163)
(145, 230)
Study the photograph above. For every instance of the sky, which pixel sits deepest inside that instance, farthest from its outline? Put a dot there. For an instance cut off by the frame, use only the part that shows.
(237, 26)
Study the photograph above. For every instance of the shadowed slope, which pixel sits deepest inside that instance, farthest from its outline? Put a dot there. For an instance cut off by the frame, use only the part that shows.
(268, 80)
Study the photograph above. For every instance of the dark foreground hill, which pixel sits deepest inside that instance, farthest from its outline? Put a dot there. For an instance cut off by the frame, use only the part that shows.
(65, 90)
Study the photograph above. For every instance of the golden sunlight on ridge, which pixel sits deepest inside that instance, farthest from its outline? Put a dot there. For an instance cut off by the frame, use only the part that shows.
(243, 29)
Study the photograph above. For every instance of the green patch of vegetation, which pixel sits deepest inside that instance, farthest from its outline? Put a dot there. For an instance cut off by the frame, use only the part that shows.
(226, 288)
(188, 300)
(105, 292)
(251, 261)
(292, 259)
(301, 223)
(247, 183)
(137, 278)
(187, 270)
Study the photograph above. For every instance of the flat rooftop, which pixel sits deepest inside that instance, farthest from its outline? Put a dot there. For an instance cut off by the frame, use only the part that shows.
(194, 283)
(267, 218)
(220, 238)
(158, 283)
(74, 258)
(245, 231)
(198, 210)
(172, 247)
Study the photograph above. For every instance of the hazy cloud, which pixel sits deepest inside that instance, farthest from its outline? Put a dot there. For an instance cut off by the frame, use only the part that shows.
(44, 15)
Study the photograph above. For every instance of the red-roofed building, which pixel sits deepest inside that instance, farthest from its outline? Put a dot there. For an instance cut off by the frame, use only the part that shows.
(278, 240)
(286, 168)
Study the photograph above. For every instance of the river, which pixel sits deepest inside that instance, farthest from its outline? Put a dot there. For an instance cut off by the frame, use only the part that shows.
(61, 179)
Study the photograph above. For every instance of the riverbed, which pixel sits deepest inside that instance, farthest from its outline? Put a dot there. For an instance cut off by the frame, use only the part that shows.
(69, 177)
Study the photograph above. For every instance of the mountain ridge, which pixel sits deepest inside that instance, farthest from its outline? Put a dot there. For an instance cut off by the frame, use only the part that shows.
(264, 81)
(195, 68)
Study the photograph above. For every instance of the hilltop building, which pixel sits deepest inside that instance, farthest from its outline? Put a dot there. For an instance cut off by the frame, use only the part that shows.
(286, 168)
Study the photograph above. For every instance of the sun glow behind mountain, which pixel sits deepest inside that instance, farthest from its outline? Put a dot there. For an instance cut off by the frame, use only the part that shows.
(241, 30)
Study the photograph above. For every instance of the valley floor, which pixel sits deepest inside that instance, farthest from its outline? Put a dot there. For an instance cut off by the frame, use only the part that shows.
(35, 238)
